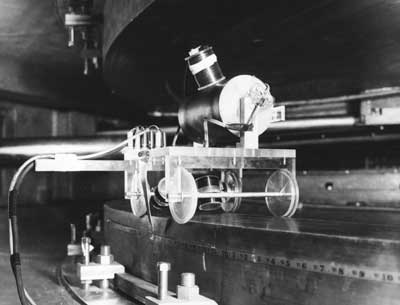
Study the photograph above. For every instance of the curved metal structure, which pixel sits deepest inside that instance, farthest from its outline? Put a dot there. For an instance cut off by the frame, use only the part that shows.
(296, 48)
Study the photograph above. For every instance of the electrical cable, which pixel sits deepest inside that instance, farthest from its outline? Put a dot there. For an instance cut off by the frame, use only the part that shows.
(104, 153)
(176, 136)
(15, 258)
(112, 150)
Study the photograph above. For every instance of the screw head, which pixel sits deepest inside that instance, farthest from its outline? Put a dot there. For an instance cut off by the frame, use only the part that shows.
(163, 266)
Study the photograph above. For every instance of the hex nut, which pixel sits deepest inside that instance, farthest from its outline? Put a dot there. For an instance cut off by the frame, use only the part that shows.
(104, 259)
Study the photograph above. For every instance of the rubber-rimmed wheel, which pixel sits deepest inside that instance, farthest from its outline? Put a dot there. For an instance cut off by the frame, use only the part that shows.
(183, 210)
(282, 181)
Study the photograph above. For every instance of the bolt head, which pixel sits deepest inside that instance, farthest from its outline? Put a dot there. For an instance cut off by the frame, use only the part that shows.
(163, 266)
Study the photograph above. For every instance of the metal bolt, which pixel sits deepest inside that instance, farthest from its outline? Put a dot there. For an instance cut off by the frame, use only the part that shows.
(98, 226)
(85, 66)
(85, 244)
(105, 250)
(73, 233)
(86, 284)
(188, 279)
(105, 257)
(71, 36)
(104, 284)
(95, 61)
(88, 219)
(163, 268)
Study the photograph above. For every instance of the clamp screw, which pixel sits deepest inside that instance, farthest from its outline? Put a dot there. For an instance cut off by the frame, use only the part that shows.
(85, 244)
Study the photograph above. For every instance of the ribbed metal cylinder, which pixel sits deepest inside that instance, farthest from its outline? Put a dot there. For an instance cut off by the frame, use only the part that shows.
(204, 66)
(188, 279)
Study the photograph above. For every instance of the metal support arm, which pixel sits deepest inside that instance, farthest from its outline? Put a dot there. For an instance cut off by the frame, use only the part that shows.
(71, 165)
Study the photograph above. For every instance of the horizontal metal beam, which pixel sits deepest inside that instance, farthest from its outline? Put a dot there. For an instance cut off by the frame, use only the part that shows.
(49, 165)
(301, 124)
(320, 123)
(369, 94)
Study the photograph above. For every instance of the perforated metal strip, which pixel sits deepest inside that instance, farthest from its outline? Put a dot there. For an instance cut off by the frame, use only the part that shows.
(332, 268)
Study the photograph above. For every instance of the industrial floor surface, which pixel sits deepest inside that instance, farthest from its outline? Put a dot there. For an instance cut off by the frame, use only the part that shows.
(44, 233)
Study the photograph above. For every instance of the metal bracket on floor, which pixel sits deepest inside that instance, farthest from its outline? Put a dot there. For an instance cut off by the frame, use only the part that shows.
(187, 293)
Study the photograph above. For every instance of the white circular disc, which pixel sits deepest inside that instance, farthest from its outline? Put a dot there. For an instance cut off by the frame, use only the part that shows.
(229, 103)
(183, 211)
(282, 181)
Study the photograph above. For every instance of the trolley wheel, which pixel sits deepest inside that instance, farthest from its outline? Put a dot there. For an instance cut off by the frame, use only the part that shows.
(183, 210)
(282, 181)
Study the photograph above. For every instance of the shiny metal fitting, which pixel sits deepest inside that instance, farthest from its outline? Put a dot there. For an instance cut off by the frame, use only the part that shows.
(105, 257)
(85, 244)
(163, 268)
(188, 279)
